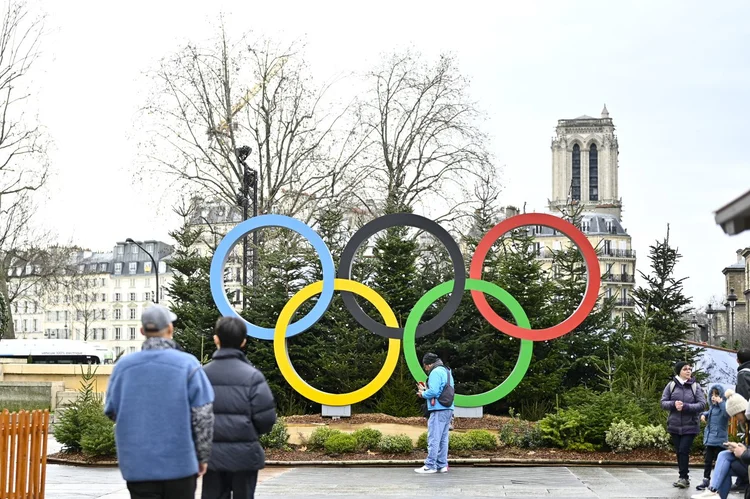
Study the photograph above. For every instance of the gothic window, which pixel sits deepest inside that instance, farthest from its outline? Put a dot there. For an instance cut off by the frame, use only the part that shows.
(575, 184)
(593, 173)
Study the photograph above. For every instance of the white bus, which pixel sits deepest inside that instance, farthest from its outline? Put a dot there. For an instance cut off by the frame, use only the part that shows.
(52, 351)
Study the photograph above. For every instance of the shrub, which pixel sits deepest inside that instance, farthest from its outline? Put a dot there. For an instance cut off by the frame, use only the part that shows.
(367, 438)
(656, 436)
(340, 443)
(481, 440)
(623, 437)
(318, 437)
(459, 442)
(532, 437)
(98, 436)
(395, 444)
(566, 429)
(422, 441)
(515, 432)
(277, 438)
(606, 408)
(72, 423)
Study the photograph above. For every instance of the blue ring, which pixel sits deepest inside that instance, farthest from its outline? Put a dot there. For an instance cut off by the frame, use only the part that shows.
(222, 254)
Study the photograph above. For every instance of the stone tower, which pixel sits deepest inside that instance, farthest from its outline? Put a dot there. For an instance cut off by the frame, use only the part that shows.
(584, 165)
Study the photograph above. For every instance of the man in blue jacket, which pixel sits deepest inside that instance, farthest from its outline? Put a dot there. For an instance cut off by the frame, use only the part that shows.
(439, 379)
(162, 404)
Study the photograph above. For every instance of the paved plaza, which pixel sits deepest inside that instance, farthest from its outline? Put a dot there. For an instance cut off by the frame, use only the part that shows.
(68, 482)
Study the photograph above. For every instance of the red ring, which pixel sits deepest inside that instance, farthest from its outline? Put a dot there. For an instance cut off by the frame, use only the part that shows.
(592, 268)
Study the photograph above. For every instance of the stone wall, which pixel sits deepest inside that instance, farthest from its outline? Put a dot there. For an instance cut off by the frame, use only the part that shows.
(24, 395)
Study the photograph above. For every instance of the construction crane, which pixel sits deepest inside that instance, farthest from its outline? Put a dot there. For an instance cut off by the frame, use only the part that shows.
(223, 128)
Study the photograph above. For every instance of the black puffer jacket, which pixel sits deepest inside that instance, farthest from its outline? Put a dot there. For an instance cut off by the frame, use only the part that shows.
(244, 409)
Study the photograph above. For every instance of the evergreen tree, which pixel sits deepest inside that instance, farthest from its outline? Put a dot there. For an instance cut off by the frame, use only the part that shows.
(190, 292)
(656, 330)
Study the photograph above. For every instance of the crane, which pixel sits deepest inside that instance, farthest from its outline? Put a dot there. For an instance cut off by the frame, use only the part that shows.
(252, 92)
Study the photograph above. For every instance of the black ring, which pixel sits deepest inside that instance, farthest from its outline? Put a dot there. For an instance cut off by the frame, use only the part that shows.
(410, 220)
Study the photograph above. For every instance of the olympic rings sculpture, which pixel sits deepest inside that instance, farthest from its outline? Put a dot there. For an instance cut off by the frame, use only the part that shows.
(341, 281)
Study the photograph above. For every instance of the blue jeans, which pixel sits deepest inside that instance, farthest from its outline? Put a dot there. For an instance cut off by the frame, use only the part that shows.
(726, 466)
(437, 439)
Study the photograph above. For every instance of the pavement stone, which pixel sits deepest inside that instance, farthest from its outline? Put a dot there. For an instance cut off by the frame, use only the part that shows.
(67, 482)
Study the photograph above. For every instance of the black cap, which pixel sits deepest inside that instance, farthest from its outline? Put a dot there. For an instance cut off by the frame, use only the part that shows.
(678, 367)
(429, 358)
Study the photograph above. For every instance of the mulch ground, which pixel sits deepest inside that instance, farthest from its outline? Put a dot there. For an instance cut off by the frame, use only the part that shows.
(488, 422)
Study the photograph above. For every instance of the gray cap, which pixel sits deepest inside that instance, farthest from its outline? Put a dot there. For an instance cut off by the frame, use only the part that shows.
(157, 317)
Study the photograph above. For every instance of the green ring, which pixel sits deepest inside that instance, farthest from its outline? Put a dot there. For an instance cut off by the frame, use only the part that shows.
(524, 356)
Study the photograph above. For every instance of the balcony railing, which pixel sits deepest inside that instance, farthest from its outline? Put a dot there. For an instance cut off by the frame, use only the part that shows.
(547, 253)
(618, 278)
(625, 302)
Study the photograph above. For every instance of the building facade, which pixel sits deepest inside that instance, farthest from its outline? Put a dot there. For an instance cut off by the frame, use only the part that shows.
(94, 297)
(585, 170)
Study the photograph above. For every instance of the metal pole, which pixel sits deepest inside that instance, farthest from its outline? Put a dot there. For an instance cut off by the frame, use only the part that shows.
(156, 267)
(244, 239)
(255, 232)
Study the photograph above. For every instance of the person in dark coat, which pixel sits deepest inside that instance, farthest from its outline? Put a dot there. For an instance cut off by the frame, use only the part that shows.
(684, 399)
(244, 409)
(715, 433)
(743, 388)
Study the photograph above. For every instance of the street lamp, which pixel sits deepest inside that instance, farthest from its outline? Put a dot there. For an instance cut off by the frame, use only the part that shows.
(249, 178)
(694, 323)
(710, 312)
(732, 300)
(156, 267)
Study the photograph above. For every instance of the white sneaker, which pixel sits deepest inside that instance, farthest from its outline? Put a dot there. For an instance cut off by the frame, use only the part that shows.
(443, 470)
(425, 470)
(706, 494)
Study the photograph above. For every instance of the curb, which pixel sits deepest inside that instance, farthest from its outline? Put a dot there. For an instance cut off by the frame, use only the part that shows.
(479, 462)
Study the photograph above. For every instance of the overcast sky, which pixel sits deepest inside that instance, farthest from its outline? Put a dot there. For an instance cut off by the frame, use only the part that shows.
(674, 75)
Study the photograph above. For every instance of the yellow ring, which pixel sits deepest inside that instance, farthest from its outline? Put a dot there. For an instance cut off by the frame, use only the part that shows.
(294, 379)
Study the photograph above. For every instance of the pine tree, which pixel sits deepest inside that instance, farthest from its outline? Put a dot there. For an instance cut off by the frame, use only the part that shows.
(190, 291)
(656, 330)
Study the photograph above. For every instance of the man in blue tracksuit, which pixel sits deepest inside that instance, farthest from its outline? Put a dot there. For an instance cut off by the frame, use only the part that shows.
(439, 378)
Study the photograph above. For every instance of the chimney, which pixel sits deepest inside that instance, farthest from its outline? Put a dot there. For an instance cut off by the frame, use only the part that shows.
(511, 211)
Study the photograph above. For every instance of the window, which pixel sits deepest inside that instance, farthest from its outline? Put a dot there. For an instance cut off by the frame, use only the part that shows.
(120, 250)
(118, 314)
(132, 283)
(134, 249)
(103, 314)
(147, 282)
(132, 268)
(25, 325)
(150, 248)
(609, 292)
(117, 351)
(57, 316)
(575, 184)
(79, 315)
(104, 333)
(147, 267)
(132, 333)
(593, 173)
(104, 296)
(608, 247)
(131, 350)
(36, 307)
(25, 307)
(624, 268)
(132, 313)
(93, 333)
(35, 325)
(118, 268)
(102, 268)
(118, 333)
(28, 268)
(117, 296)
(132, 296)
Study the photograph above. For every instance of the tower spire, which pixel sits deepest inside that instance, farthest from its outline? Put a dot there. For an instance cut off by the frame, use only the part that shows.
(605, 113)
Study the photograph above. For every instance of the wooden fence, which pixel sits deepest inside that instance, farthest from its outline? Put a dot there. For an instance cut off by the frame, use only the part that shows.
(23, 454)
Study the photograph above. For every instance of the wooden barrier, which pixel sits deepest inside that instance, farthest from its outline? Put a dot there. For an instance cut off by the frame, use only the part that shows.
(23, 454)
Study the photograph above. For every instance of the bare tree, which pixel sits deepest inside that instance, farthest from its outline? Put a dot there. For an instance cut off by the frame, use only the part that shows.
(23, 160)
(425, 132)
(213, 100)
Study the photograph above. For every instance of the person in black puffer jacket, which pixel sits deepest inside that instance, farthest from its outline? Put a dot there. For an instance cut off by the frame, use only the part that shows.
(244, 409)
